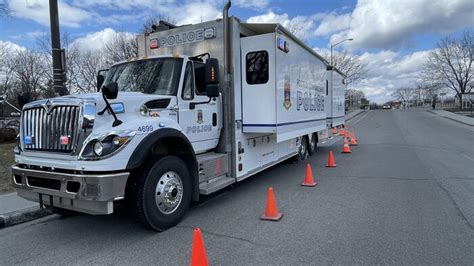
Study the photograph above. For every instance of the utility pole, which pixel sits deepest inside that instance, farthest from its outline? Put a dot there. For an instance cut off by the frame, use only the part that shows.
(58, 55)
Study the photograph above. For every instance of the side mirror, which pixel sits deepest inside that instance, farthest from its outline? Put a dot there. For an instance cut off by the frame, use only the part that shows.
(110, 91)
(212, 71)
(212, 90)
(100, 81)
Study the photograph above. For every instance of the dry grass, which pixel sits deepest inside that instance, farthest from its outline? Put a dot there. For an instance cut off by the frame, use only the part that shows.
(6, 160)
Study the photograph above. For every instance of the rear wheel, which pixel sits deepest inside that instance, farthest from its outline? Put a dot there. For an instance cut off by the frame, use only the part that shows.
(164, 194)
(312, 144)
(302, 149)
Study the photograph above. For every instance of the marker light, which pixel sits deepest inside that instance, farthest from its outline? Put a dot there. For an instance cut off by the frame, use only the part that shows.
(154, 44)
(118, 108)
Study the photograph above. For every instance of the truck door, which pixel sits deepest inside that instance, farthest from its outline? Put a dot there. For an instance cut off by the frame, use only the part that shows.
(201, 124)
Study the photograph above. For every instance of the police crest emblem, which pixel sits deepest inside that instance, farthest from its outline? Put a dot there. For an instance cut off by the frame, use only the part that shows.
(287, 93)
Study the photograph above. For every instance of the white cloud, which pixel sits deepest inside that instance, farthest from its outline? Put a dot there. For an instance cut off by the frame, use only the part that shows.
(196, 12)
(7, 46)
(97, 40)
(38, 10)
(388, 71)
(301, 26)
(122, 4)
(183, 13)
(333, 23)
(390, 24)
(252, 3)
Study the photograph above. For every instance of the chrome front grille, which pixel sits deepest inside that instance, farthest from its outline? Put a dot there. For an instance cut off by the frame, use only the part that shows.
(57, 130)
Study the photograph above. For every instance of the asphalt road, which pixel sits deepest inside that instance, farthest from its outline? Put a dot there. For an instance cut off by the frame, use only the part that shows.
(405, 195)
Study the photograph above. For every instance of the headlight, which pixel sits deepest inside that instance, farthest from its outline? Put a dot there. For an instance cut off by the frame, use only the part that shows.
(101, 146)
(98, 148)
(17, 149)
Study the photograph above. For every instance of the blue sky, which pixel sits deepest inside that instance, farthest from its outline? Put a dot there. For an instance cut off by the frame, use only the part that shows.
(393, 37)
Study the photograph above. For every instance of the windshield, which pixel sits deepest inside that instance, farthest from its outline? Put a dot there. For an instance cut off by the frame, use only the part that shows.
(152, 76)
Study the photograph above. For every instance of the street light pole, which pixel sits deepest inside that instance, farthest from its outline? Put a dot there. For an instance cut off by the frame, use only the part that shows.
(58, 62)
(333, 45)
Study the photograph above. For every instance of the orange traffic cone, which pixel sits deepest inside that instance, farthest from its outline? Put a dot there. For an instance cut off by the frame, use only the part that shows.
(353, 141)
(346, 148)
(271, 211)
(309, 180)
(331, 161)
(346, 134)
(198, 252)
(334, 130)
(341, 132)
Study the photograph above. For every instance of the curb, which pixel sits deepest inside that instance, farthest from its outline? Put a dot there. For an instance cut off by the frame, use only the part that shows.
(450, 118)
(358, 113)
(18, 217)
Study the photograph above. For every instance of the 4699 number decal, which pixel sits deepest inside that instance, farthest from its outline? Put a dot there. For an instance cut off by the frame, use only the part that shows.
(144, 129)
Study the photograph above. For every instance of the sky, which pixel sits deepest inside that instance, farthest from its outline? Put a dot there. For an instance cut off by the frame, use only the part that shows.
(394, 37)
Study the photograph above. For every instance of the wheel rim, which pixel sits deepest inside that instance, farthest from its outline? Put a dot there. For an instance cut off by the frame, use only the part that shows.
(302, 151)
(169, 192)
(313, 143)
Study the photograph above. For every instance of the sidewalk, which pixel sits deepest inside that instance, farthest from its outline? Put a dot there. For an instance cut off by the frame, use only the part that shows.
(353, 114)
(15, 210)
(458, 118)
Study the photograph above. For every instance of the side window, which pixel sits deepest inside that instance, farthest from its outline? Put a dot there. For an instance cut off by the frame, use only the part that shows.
(199, 72)
(188, 84)
(257, 67)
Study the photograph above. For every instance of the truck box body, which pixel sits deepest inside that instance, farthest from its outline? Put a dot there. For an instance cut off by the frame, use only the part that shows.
(292, 102)
(288, 103)
(335, 98)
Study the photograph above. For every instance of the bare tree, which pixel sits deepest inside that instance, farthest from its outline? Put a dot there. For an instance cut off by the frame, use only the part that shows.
(86, 65)
(353, 97)
(450, 64)
(122, 46)
(351, 66)
(404, 95)
(29, 71)
(150, 21)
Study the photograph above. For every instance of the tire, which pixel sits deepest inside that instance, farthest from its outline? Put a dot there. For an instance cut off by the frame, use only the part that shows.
(163, 194)
(302, 149)
(312, 144)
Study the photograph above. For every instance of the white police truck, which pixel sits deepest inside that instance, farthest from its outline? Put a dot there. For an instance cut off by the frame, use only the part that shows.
(202, 107)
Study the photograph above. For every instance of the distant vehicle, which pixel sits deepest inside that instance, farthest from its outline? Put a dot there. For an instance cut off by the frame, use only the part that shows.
(386, 106)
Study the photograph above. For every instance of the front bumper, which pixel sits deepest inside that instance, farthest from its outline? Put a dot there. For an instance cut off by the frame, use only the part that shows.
(88, 193)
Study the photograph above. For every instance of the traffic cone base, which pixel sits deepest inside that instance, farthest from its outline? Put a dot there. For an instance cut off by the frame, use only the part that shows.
(271, 211)
(331, 161)
(346, 148)
(309, 180)
(198, 252)
(272, 218)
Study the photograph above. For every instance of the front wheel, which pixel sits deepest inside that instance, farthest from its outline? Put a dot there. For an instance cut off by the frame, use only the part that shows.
(164, 194)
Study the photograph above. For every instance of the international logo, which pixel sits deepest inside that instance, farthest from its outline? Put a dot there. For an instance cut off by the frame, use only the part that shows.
(287, 93)
(47, 106)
